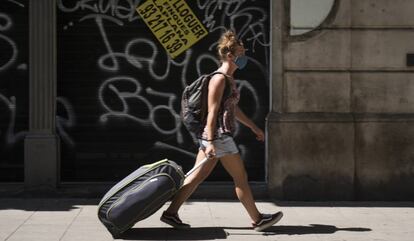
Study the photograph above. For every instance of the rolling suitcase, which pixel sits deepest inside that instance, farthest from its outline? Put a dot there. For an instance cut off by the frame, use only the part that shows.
(141, 194)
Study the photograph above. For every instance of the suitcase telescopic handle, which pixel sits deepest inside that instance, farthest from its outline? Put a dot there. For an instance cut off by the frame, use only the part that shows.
(200, 164)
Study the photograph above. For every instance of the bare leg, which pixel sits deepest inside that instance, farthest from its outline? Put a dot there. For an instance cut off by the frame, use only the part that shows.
(191, 183)
(235, 167)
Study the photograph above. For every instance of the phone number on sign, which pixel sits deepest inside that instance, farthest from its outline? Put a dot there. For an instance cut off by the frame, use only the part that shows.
(175, 26)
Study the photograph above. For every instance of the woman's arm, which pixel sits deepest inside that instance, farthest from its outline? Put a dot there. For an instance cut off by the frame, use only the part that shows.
(240, 116)
(215, 93)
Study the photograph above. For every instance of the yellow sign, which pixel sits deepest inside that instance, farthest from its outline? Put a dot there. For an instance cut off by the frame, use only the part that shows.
(173, 23)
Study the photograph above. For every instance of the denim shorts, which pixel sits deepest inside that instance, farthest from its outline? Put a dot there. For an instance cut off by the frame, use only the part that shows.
(224, 146)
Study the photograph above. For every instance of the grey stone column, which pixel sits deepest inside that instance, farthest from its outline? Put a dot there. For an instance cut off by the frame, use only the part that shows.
(278, 33)
(41, 162)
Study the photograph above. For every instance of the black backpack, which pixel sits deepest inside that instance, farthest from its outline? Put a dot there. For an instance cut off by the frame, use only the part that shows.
(194, 103)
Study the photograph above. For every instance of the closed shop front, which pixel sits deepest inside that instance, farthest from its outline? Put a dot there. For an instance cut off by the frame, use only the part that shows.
(119, 91)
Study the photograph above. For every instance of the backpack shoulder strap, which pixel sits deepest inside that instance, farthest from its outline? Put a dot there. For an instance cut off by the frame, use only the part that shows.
(227, 88)
(218, 72)
(225, 76)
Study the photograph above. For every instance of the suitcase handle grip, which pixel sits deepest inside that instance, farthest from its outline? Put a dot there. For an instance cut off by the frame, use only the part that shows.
(202, 163)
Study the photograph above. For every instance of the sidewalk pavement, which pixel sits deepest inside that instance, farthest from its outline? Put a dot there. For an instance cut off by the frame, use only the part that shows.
(76, 219)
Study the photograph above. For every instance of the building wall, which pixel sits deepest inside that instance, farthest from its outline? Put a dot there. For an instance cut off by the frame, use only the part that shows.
(342, 121)
(104, 96)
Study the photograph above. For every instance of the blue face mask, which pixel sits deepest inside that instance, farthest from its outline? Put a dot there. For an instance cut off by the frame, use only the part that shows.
(241, 61)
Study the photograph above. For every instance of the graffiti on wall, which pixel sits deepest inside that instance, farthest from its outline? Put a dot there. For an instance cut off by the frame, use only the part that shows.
(13, 79)
(9, 60)
(117, 83)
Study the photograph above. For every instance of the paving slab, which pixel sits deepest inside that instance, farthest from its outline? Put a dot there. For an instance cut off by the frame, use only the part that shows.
(76, 219)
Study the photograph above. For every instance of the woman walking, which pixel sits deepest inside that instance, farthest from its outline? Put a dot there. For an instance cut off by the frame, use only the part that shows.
(216, 141)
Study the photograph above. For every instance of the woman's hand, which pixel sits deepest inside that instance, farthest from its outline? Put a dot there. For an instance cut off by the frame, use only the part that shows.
(260, 136)
(210, 151)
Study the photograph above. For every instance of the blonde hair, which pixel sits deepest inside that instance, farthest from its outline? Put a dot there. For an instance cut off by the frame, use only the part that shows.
(227, 43)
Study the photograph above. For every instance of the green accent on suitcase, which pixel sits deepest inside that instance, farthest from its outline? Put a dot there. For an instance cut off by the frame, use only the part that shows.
(155, 163)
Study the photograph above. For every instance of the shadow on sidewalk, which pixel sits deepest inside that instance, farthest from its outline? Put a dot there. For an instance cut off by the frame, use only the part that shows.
(299, 230)
(355, 204)
(201, 233)
(210, 233)
(47, 204)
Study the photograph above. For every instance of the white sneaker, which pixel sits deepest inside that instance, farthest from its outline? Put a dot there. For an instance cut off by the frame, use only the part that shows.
(267, 221)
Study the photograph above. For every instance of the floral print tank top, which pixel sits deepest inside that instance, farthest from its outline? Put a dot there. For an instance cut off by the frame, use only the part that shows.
(226, 121)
